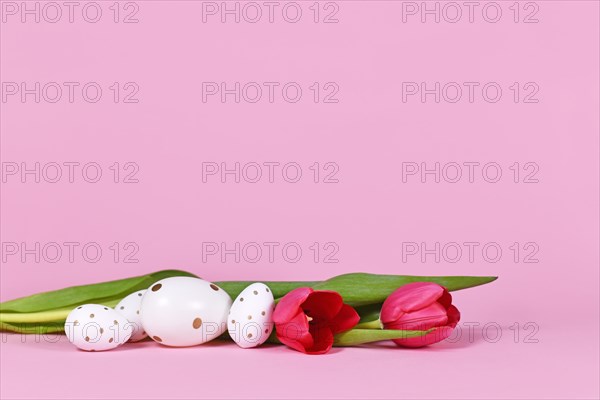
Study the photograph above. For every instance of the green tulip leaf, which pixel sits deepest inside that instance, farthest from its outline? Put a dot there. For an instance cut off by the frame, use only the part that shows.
(359, 289)
(100, 293)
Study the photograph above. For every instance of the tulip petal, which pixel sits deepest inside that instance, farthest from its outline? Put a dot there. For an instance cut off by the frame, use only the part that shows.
(421, 320)
(409, 298)
(323, 304)
(445, 299)
(295, 333)
(305, 319)
(292, 344)
(289, 305)
(323, 339)
(453, 316)
(346, 319)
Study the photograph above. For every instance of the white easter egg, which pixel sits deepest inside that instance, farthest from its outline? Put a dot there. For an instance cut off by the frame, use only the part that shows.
(94, 327)
(184, 311)
(129, 307)
(250, 321)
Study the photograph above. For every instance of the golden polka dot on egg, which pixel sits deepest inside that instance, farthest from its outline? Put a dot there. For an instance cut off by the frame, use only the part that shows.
(197, 323)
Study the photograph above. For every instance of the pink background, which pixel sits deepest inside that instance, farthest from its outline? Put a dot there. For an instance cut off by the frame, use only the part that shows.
(368, 214)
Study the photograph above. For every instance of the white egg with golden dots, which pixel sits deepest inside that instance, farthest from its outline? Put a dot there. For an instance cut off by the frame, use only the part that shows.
(94, 327)
(184, 311)
(129, 307)
(250, 321)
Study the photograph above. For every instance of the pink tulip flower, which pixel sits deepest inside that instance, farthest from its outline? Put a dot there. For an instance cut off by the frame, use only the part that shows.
(420, 306)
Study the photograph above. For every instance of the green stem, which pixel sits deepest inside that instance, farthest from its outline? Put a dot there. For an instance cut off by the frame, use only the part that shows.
(370, 325)
(355, 337)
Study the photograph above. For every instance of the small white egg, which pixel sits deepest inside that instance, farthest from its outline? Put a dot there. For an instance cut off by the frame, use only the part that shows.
(250, 321)
(94, 327)
(129, 307)
(184, 311)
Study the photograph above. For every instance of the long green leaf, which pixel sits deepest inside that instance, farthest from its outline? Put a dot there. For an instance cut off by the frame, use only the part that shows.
(359, 289)
(279, 288)
(95, 293)
(36, 328)
(369, 312)
(21, 315)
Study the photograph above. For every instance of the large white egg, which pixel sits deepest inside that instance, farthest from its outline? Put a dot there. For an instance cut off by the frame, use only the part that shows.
(129, 307)
(250, 319)
(184, 311)
(94, 327)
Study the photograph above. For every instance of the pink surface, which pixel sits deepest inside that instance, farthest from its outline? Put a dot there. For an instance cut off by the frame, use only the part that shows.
(369, 220)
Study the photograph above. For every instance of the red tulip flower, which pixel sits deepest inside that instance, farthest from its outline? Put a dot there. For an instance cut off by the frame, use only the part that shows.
(306, 319)
(420, 306)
